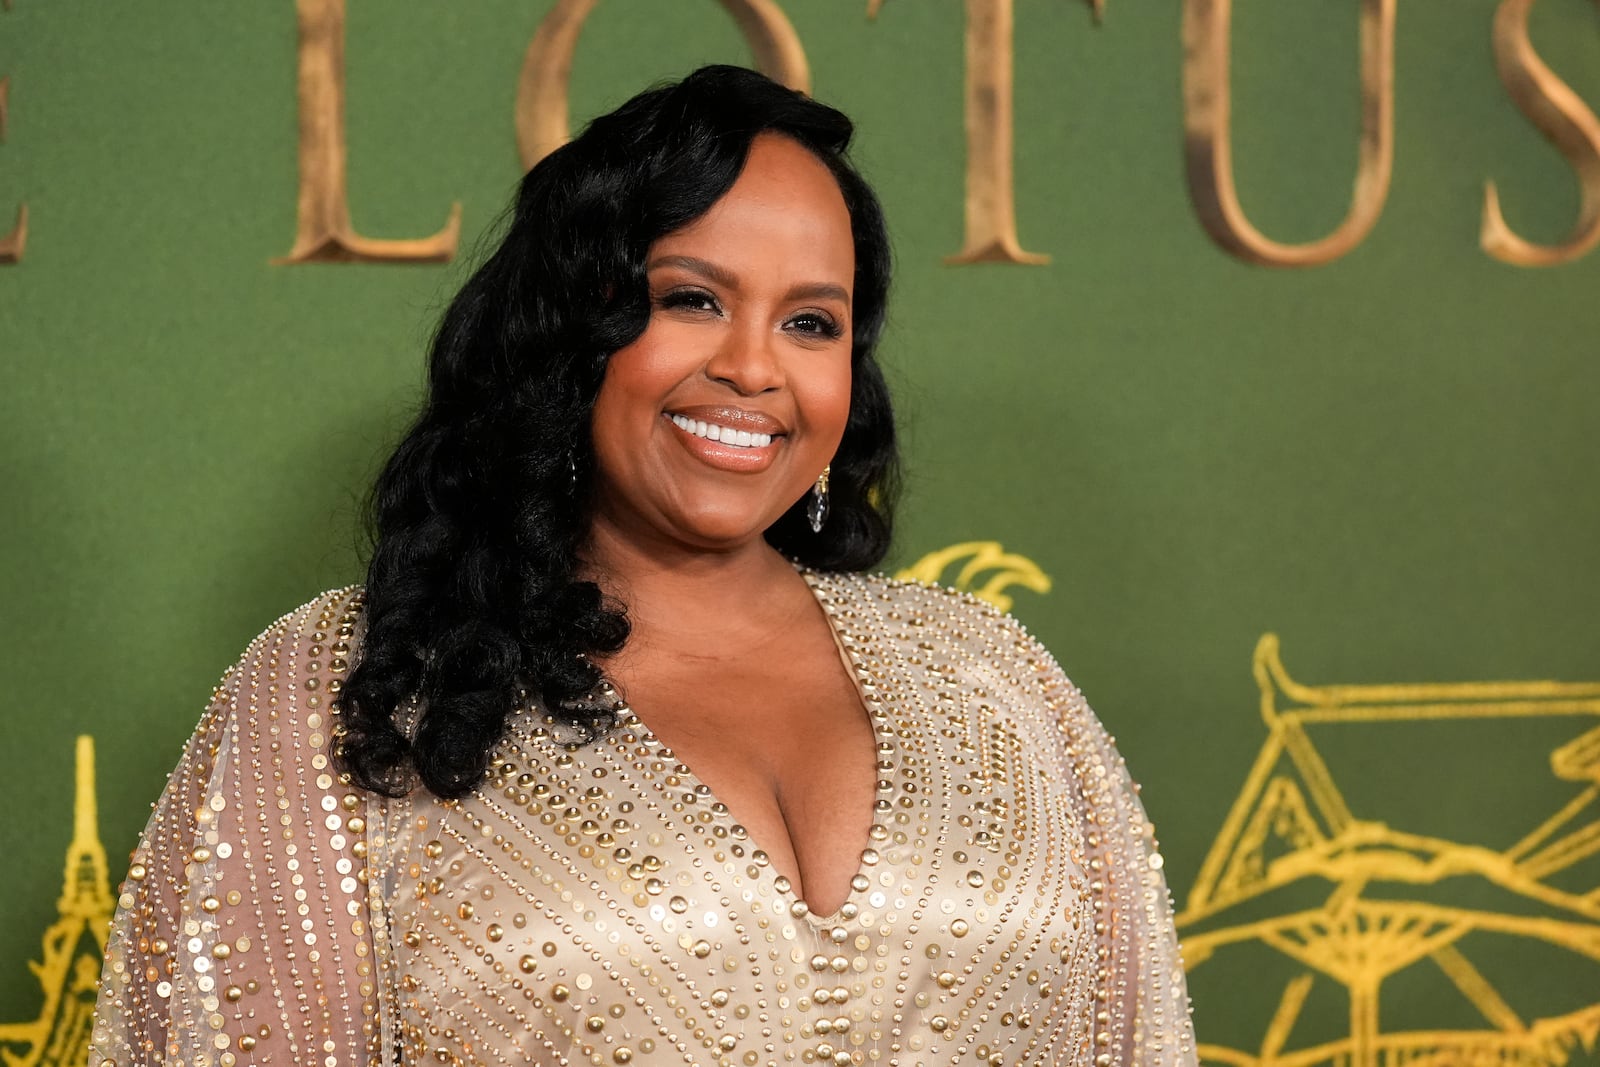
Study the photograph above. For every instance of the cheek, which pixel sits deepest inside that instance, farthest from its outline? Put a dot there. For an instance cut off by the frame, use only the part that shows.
(615, 424)
(637, 377)
(825, 402)
(629, 376)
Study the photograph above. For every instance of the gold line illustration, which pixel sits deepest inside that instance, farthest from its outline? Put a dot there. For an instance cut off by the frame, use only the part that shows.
(1301, 871)
(1004, 570)
(68, 969)
(1345, 902)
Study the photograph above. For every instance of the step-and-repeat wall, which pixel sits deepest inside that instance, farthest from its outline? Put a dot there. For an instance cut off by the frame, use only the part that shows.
(1249, 352)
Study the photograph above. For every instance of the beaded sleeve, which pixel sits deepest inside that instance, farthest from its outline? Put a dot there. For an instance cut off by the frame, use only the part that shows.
(242, 933)
(1140, 1004)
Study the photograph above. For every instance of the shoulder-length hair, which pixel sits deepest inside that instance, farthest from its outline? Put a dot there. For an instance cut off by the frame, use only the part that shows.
(473, 600)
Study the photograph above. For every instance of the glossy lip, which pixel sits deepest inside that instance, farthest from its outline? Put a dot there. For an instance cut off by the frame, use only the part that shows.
(729, 458)
(738, 418)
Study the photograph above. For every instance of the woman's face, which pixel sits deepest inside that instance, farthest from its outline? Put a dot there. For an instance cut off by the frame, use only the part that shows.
(724, 411)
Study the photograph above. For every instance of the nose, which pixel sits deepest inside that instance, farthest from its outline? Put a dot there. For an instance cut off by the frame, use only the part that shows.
(746, 361)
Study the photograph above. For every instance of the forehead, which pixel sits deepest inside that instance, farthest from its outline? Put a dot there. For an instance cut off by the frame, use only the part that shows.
(785, 212)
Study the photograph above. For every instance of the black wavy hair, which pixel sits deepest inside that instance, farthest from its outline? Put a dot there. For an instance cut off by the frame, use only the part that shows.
(473, 600)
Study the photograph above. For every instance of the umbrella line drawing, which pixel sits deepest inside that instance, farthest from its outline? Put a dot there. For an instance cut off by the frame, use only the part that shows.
(1291, 832)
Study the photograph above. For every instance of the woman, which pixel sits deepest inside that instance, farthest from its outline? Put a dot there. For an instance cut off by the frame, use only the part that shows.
(619, 758)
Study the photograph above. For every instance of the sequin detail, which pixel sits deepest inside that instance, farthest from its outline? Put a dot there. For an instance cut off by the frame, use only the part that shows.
(597, 904)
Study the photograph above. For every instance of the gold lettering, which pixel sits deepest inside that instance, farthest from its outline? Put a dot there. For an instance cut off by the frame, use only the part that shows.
(12, 244)
(1566, 121)
(1207, 106)
(323, 231)
(990, 222)
(542, 101)
(991, 207)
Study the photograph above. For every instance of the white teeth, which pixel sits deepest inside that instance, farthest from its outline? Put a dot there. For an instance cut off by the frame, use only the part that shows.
(725, 434)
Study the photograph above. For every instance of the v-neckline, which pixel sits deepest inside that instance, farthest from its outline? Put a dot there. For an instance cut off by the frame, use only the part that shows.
(884, 751)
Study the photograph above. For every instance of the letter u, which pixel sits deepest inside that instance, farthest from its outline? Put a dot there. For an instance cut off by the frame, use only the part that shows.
(1208, 149)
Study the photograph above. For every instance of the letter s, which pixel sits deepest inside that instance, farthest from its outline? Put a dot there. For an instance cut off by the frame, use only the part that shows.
(1566, 121)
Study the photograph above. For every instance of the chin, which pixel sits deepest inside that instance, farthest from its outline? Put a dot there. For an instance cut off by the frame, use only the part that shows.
(719, 529)
(724, 538)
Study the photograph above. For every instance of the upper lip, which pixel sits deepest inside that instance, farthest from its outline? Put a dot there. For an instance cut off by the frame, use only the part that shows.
(736, 418)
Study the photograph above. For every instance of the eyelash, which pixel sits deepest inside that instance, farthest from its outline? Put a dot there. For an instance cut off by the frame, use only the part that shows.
(826, 327)
(693, 299)
(698, 299)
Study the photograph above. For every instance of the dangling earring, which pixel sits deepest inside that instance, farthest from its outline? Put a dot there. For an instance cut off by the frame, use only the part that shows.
(572, 472)
(817, 506)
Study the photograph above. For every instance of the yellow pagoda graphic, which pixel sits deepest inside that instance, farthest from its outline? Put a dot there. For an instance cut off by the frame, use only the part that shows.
(74, 945)
(1410, 875)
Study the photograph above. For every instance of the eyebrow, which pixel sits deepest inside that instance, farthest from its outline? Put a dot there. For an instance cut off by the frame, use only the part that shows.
(728, 280)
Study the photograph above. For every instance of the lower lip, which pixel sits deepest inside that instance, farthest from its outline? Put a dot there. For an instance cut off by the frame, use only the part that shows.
(726, 457)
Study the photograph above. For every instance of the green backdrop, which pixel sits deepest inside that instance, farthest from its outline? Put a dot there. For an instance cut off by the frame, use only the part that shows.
(1389, 461)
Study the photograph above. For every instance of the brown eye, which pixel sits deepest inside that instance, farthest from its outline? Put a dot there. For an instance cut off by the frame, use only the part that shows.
(689, 300)
(816, 324)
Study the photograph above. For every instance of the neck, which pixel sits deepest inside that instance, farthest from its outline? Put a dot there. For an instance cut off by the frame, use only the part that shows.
(692, 600)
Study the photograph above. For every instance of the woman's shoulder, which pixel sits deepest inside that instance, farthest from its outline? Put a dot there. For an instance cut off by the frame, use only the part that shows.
(322, 617)
(320, 636)
(923, 604)
(950, 624)
(296, 664)
(910, 595)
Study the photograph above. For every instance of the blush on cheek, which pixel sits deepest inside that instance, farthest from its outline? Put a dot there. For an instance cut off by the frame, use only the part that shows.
(831, 410)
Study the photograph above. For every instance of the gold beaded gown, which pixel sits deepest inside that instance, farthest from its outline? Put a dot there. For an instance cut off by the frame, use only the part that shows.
(597, 904)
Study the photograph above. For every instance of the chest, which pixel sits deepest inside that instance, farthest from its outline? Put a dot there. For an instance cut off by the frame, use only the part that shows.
(781, 718)
(790, 750)
(599, 899)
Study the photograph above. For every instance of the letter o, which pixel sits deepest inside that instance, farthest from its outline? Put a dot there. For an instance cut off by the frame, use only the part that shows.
(542, 113)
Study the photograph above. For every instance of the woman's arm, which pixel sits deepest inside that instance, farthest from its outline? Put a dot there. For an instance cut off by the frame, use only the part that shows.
(1140, 1005)
(242, 934)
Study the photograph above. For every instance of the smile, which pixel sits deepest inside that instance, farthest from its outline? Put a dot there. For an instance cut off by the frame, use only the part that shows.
(725, 435)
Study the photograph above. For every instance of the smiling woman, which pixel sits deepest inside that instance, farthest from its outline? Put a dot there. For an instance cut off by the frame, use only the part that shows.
(619, 757)
(748, 336)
